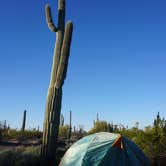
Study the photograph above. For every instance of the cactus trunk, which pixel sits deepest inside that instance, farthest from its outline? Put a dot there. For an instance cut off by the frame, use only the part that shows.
(23, 122)
(58, 74)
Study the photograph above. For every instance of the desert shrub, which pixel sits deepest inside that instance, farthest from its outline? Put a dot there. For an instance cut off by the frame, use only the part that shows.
(29, 156)
(20, 134)
(7, 157)
(152, 140)
(99, 126)
(32, 150)
(64, 131)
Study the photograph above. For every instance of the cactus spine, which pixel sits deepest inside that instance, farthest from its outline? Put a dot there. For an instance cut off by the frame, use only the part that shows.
(58, 74)
(23, 122)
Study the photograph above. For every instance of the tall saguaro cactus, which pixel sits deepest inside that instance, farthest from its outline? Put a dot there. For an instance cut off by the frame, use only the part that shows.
(58, 74)
(24, 120)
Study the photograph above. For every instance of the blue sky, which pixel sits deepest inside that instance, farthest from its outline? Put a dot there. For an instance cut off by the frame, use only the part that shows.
(117, 61)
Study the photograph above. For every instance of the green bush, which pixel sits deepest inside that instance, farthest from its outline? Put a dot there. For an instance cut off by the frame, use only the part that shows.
(99, 126)
(8, 157)
(64, 131)
(152, 140)
(29, 156)
(20, 134)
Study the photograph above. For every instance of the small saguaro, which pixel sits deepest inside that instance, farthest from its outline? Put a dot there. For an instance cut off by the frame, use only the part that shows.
(23, 121)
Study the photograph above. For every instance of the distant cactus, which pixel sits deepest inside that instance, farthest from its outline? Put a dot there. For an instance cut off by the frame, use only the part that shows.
(70, 126)
(97, 117)
(74, 130)
(61, 120)
(94, 122)
(8, 127)
(58, 74)
(24, 121)
(110, 127)
(5, 125)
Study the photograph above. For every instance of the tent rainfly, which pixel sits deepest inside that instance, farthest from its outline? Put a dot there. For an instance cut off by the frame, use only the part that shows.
(104, 149)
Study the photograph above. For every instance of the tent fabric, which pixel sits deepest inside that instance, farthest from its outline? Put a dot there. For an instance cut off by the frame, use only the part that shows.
(104, 149)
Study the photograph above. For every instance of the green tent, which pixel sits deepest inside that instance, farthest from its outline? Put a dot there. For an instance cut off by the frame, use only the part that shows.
(104, 149)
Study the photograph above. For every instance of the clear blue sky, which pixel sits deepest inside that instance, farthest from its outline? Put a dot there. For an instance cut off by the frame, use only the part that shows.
(117, 64)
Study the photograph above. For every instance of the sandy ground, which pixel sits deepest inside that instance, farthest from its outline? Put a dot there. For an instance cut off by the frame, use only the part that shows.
(12, 144)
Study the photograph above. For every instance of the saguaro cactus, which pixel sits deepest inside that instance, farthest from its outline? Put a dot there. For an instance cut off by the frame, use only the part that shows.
(61, 120)
(5, 125)
(70, 126)
(23, 121)
(97, 117)
(58, 74)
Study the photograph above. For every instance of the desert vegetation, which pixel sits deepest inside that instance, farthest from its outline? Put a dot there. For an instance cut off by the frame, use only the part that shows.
(151, 139)
(32, 147)
(24, 148)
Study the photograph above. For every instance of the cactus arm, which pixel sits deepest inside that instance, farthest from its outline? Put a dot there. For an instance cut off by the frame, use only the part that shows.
(49, 20)
(62, 68)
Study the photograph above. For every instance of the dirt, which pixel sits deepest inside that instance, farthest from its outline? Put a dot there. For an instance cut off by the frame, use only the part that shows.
(12, 144)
